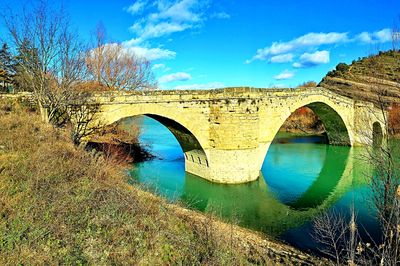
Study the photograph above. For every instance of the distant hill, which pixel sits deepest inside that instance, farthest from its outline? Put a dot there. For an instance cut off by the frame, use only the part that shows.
(367, 77)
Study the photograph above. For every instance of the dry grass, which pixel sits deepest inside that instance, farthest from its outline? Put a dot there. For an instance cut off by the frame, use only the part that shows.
(62, 205)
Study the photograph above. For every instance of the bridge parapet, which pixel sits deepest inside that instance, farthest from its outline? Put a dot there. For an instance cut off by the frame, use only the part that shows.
(212, 95)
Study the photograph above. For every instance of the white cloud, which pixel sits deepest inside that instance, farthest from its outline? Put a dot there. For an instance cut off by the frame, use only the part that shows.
(161, 67)
(316, 39)
(179, 76)
(184, 10)
(150, 54)
(158, 66)
(131, 42)
(364, 37)
(151, 30)
(310, 40)
(282, 58)
(167, 17)
(313, 59)
(279, 52)
(136, 8)
(382, 36)
(221, 15)
(286, 74)
(206, 86)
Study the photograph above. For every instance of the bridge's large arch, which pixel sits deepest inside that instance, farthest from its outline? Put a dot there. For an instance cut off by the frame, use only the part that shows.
(335, 126)
(194, 153)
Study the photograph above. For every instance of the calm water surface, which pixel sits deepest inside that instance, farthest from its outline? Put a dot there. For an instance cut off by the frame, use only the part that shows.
(301, 177)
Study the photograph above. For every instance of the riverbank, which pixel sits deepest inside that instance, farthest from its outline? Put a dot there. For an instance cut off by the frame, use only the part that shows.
(60, 204)
(122, 151)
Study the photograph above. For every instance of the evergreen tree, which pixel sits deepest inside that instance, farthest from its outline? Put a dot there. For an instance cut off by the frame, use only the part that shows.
(26, 61)
(7, 66)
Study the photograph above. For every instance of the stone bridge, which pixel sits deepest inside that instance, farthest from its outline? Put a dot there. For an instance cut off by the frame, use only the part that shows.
(225, 134)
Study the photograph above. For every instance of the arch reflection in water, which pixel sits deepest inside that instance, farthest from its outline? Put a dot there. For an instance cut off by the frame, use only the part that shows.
(303, 179)
(257, 205)
(333, 170)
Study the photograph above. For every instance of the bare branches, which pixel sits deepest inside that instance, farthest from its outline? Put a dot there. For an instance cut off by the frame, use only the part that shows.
(50, 56)
(84, 121)
(116, 66)
(330, 231)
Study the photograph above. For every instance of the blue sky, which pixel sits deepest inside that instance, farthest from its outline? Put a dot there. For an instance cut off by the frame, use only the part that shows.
(203, 44)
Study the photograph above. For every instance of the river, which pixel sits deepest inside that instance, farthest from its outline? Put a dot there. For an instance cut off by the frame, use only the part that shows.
(301, 177)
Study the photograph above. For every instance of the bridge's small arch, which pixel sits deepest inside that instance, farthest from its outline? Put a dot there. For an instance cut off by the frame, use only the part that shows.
(377, 134)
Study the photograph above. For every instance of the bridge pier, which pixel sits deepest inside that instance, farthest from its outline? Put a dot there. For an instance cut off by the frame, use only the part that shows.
(234, 166)
(226, 166)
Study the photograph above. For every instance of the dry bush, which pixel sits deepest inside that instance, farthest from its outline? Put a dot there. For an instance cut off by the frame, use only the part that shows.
(303, 120)
(120, 143)
(116, 133)
(394, 119)
(91, 86)
(308, 84)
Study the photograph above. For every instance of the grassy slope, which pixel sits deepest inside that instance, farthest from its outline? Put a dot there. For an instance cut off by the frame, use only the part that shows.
(59, 204)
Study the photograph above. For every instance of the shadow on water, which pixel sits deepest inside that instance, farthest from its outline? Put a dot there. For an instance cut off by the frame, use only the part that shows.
(335, 163)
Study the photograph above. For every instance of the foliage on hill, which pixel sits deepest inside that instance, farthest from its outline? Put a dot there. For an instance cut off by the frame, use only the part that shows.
(372, 78)
(62, 205)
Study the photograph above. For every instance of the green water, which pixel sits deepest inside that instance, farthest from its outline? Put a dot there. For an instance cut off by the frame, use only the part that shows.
(301, 177)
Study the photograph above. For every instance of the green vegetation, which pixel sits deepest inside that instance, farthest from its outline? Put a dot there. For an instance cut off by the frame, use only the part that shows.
(374, 78)
(7, 68)
(62, 205)
(384, 65)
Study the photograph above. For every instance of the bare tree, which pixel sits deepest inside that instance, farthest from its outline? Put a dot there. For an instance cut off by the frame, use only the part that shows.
(50, 56)
(385, 183)
(117, 67)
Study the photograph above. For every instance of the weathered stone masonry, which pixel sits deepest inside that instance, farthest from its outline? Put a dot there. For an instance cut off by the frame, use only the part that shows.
(225, 134)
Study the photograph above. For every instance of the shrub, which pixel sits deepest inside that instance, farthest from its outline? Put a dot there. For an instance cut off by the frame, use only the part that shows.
(342, 67)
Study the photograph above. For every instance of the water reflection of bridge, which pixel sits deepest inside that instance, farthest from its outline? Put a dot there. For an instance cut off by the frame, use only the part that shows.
(255, 205)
